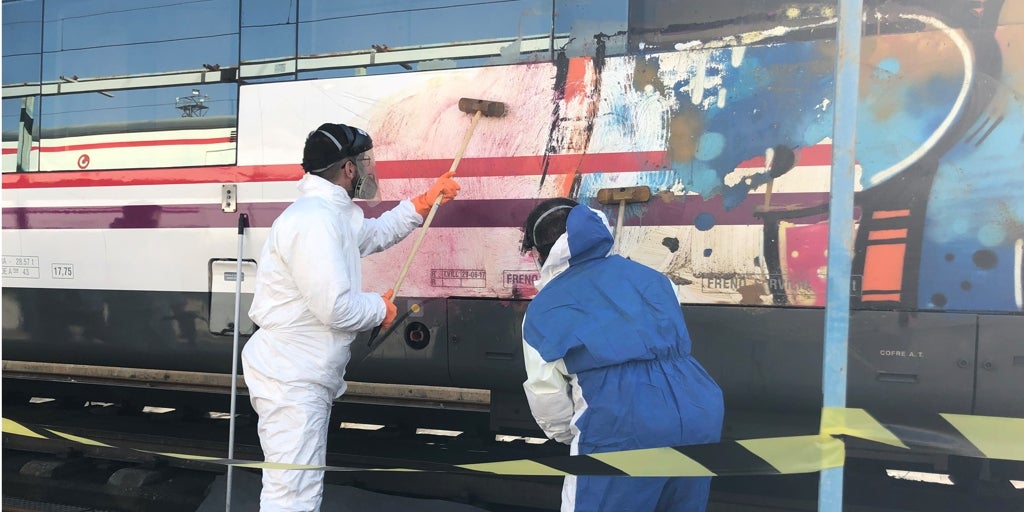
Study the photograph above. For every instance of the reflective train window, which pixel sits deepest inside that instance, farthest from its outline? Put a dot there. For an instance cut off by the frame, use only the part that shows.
(130, 37)
(182, 126)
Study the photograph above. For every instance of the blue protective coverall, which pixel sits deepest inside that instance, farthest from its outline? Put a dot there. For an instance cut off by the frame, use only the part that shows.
(609, 368)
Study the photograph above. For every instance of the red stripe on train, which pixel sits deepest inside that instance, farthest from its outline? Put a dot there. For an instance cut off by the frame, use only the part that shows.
(123, 144)
(492, 166)
(477, 167)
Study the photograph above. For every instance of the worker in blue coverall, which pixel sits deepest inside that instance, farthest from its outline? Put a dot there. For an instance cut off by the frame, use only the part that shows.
(608, 362)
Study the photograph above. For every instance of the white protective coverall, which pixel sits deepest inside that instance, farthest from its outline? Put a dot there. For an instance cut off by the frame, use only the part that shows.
(310, 306)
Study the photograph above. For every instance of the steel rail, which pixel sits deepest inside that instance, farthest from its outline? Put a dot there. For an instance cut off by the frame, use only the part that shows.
(433, 397)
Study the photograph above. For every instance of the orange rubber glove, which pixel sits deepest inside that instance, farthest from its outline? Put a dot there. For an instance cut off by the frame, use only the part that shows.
(390, 311)
(445, 186)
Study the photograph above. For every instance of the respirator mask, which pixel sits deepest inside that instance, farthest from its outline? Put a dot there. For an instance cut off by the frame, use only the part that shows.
(349, 143)
(365, 182)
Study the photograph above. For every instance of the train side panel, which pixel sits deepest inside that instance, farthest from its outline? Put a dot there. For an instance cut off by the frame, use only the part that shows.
(130, 267)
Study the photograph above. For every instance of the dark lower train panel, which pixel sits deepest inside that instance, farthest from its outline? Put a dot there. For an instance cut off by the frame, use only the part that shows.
(771, 358)
(172, 331)
(766, 359)
(165, 330)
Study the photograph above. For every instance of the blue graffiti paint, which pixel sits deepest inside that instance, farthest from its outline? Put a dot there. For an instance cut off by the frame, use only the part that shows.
(991, 235)
(760, 110)
(704, 221)
(732, 196)
(887, 68)
(972, 212)
(710, 146)
(960, 226)
(885, 138)
(782, 94)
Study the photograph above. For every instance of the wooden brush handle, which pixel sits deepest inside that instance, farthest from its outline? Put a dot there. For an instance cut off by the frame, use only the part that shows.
(437, 202)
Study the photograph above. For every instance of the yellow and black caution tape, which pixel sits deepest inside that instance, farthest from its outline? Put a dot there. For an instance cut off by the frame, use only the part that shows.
(797, 454)
(954, 434)
(987, 437)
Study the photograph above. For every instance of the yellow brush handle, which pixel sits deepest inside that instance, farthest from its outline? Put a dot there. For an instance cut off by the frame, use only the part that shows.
(437, 202)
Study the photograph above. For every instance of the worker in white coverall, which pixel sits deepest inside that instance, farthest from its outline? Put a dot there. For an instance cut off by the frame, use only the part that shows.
(608, 362)
(309, 305)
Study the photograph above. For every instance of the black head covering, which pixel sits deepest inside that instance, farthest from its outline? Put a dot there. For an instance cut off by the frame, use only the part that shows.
(545, 223)
(330, 143)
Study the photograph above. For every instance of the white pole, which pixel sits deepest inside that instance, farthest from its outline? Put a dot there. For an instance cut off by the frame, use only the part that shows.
(234, 358)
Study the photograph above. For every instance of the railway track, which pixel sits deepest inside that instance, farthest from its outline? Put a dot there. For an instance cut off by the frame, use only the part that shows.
(446, 398)
(124, 477)
(43, 467)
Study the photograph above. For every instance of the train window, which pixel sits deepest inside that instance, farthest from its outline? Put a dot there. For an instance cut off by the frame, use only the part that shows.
(132, 37)
(327, 27)
(394, 37)
(20, 131)
(268, 40)
(665, 23)
(590, 28)
(268, 13)
(21, 69)
(141, 128)
(22, 42)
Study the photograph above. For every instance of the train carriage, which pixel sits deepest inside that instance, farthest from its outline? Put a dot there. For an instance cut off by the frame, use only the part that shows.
(126, 255)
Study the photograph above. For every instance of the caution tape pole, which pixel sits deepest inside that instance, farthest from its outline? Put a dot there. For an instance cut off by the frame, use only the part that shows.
(840, 232)
(242, 221)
